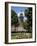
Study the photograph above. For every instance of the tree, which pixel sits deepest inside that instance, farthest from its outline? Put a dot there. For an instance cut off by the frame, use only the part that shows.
(14, 19)
(28, 14)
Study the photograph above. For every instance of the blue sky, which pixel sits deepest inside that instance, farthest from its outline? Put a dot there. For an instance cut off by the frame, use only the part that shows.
(18, 9)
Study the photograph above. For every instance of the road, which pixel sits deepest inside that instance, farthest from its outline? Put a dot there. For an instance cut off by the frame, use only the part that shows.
(19, 28)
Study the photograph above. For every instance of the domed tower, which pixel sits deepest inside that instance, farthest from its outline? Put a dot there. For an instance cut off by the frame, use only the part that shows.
(21, 17)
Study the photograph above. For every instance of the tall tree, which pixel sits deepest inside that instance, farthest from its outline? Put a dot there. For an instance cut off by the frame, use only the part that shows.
(14, 19)
(28, 14)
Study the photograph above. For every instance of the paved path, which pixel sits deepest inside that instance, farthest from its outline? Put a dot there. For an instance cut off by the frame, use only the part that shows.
(19, 28)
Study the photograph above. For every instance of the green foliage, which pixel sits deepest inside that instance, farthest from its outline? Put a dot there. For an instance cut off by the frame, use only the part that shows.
(28, 14)
(20, 35)
(25, 25)
(14, 18)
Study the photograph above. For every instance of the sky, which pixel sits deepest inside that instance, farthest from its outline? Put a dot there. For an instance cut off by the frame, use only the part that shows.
(18, 9)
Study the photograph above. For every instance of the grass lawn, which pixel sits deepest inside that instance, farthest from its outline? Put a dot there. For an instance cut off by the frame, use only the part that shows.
(20, 35)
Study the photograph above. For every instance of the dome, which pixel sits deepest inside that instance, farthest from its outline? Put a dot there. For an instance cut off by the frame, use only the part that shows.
(21, 13)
